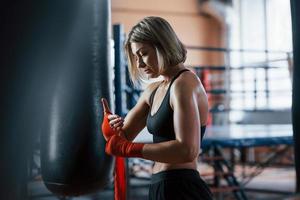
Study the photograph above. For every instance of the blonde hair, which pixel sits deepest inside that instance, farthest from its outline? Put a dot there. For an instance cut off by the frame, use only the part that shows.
(157, 32)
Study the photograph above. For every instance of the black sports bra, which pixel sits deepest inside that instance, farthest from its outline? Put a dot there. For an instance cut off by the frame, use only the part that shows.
(160, 124)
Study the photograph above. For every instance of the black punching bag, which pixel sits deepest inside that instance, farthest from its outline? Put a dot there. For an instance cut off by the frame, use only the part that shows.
(40, 41)
(73, 159)
(295, 11)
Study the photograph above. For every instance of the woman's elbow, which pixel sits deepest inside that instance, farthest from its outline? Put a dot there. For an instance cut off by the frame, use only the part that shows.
(190, 153)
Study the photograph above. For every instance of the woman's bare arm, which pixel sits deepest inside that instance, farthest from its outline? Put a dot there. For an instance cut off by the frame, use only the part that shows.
(136, 118)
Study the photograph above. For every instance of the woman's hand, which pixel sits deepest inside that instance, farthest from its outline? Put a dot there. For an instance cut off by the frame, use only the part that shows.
(115, 121)
(111, 124)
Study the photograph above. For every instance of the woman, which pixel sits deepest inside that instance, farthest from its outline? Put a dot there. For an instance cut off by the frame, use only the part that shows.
(174, 110)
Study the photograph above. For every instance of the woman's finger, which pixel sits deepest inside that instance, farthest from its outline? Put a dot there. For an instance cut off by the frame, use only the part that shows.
(118, 124)
(116, 120)
(112, 117)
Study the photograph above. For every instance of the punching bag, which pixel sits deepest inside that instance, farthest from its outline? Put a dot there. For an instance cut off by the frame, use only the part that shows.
(295, 7)
(41, 40)
(73, 158)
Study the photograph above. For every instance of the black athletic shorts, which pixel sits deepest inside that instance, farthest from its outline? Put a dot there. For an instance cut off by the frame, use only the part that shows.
(178, 184)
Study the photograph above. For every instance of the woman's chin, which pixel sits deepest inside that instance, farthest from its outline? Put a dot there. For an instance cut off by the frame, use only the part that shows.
(152, 75)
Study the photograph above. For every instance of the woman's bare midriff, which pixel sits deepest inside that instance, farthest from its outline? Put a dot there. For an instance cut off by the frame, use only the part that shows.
(159, 167)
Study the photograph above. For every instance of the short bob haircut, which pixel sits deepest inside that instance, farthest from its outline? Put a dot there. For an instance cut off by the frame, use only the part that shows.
(157, 32)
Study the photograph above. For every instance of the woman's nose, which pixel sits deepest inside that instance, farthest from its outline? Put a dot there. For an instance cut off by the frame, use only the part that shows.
(141, 63)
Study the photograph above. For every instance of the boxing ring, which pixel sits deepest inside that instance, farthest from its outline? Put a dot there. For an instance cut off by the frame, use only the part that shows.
(241, 137)
(237, 136)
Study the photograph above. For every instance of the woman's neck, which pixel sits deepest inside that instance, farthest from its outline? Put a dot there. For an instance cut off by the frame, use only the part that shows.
(171, 72)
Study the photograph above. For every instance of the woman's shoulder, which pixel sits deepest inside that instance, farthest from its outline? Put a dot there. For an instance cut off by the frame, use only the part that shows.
(188, 82)
(187, 79)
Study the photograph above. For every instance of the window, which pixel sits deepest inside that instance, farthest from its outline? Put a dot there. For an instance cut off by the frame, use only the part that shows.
(260, 63)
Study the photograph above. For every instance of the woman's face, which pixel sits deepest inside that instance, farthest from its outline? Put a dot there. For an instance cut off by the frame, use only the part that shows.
(146, 59)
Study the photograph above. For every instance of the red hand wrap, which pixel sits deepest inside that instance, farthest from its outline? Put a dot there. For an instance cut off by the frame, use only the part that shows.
(120, 179)
(119, 146)
(106, 129)
(120, 169)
